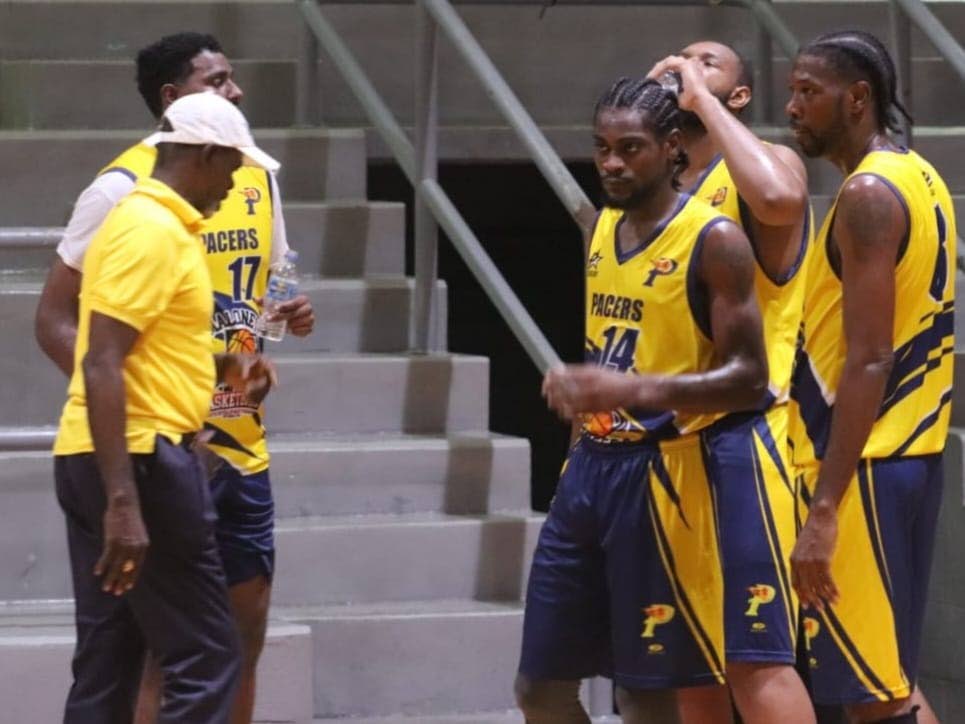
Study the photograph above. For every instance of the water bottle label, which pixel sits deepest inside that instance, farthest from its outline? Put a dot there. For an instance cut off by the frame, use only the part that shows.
(280, 290)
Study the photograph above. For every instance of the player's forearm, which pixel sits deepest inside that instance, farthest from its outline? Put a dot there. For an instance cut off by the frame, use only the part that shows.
(57, 338)
(107, 416)
(776, 195)
(739, 384)
(860, 393)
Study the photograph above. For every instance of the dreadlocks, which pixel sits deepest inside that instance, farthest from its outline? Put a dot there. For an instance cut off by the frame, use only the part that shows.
(657, 106)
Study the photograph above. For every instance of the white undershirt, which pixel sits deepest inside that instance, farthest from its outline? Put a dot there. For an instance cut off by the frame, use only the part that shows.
(96, 201)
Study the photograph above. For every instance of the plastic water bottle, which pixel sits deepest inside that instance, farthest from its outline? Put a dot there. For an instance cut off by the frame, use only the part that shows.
(672, 82)
(282, 287)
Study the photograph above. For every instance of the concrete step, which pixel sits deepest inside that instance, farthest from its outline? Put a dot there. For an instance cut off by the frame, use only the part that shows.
(414, 659)
(317, 164)
(318, 393)
(351, 315)
(462, 473)
(380, 393)
(542, 49)
(37, 642)
(101, 94)
(341, 239)
(418, 556)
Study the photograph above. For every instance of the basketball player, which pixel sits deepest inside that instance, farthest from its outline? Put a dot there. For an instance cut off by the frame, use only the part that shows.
(626, 577)
(241, 241)
(872, 384)
(763, 188)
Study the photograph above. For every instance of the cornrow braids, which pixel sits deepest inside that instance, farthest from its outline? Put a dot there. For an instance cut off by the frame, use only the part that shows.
(861, 53)
(657, 106)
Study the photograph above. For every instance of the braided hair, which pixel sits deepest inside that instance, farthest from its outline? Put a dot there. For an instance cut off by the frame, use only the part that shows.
(861, 55)
(658, 107)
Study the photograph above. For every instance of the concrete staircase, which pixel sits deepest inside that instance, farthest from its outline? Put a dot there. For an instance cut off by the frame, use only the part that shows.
(404, 533)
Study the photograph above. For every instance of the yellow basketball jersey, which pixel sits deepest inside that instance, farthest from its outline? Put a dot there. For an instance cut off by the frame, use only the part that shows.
(646, 312)
(781, 301)
(914, 415)
(237, 241)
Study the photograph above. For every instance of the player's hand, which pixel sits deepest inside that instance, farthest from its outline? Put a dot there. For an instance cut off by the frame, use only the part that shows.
(299, 315)
(252, 373)
(125, 546)
(691, 78)
(811, 558)
(577, 389)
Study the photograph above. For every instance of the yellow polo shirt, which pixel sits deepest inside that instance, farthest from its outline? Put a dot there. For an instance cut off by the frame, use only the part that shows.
(145, 267)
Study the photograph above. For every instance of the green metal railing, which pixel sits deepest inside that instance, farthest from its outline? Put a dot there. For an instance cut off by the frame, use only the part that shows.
(419, 160)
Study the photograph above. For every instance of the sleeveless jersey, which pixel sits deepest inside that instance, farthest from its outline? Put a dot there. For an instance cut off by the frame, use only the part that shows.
(237, 241)
(914, 414)
(646, 312)
(781, 301)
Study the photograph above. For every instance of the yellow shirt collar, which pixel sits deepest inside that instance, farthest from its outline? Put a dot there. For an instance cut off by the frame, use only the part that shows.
(168, 197)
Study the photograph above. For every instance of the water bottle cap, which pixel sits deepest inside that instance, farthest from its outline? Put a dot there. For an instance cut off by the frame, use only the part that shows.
(291, 255)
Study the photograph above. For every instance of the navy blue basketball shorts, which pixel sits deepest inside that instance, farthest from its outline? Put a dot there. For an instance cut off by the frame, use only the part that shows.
(626, 578)
(245, 527)
(756, 515)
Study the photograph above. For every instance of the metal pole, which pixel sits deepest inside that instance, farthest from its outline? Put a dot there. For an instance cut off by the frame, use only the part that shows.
(369, 98)
(306, 79)
(543, 154)
(763, 108)
(497, 289)
(937, 33)
(764, 11)
(30, 237)
(426, 144)
(901, 45)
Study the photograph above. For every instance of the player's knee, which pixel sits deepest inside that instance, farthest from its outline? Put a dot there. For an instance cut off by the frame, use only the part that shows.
(251, 635)
(545, 701)
(884, 713)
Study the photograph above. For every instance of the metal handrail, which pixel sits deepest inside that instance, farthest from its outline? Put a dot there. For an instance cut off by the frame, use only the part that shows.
(30, 237)
(466, 243)
(936, 32)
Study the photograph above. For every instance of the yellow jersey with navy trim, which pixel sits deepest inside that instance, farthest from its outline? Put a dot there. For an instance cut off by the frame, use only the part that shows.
(647, 312)
(781, 301)
(914, 414)
(237, 242)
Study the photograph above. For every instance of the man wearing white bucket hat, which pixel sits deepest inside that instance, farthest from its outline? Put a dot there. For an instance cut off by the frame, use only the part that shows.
(241, 241)
(146, 568)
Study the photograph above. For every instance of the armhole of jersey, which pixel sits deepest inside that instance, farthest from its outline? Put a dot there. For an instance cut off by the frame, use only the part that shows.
(746, 219)
(120, 169)
(697, 297)
(836, 268)
(271, 193)
(589, 241)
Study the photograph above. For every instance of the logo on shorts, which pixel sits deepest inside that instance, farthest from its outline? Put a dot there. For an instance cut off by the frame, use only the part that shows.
(661, 268)
(252, 197)
(811, 629)
(719, 197)
(761, 593)
(656, 615)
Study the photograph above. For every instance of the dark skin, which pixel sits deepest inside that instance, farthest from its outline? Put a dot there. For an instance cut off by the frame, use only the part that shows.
(834, 117)
(770, 178)
(203, 176)
(56, 320)
(636, 167)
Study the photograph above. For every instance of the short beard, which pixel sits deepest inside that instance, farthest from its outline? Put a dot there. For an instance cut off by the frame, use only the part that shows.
(690, 123)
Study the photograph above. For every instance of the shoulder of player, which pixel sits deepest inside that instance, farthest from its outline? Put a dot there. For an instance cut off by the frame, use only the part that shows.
(870, 207)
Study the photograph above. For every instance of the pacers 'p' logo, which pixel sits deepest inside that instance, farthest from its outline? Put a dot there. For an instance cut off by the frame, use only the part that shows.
(656, 615)
(719, 197)
(811, 629)
(760, 593)
(252, 197)
(661, 268)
